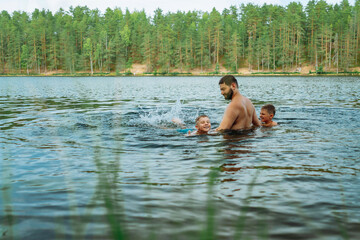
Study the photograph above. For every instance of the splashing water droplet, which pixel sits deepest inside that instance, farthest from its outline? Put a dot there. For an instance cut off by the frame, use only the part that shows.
(161, 117)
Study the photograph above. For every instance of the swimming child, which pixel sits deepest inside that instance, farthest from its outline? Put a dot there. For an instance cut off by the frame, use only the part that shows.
(202, 125)
(266, 115)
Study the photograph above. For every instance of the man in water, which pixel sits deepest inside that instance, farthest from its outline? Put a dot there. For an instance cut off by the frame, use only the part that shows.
(240, 113)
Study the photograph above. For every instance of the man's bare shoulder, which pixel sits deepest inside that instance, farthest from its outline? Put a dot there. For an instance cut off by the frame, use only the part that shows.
(246, 100)
(233, 103)
(241, 103)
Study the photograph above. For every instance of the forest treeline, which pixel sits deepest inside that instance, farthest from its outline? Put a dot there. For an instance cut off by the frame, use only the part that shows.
(265, 38)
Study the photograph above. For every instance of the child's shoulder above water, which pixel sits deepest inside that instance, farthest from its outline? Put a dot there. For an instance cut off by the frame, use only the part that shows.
(270, 124)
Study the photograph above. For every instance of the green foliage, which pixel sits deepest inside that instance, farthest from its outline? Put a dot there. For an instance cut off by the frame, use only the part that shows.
(217, 68)
(155, 73)
(320, 70)
(263, 38)
(274, 73)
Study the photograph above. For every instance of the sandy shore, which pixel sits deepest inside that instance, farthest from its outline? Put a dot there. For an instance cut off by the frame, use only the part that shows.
(140, 70)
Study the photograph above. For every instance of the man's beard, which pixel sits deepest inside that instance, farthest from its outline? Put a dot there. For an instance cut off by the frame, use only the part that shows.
(229, 95)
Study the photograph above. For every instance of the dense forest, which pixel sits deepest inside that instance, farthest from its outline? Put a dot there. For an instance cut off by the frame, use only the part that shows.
(261, 38)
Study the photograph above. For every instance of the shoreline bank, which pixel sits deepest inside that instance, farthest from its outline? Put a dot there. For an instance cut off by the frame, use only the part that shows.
(139, 70)
(181, 75)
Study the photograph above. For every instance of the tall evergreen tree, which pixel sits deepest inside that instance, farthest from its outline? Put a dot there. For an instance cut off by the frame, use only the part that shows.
(263, 38)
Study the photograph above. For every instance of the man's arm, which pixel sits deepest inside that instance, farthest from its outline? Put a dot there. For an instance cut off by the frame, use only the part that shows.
(255, 120)
(229, 118)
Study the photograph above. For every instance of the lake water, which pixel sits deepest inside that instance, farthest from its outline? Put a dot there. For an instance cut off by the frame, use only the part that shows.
(99, 158)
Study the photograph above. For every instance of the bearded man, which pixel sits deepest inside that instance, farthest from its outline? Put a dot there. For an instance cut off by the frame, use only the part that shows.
(240, 113)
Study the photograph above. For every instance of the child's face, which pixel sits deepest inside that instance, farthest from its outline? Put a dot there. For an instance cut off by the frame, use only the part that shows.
(203, 125)
(265, 116)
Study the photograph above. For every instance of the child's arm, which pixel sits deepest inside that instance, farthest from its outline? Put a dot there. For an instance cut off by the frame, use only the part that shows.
(191, 133)
(178, 122)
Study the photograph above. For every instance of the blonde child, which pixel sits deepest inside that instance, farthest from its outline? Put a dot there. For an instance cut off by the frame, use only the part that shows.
(202, 125)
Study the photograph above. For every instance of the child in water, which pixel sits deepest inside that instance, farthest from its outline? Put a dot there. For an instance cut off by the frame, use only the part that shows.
(202, 125)
(266, 115)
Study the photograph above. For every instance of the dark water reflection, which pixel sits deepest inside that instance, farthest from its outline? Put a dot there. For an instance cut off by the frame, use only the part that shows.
(99, 158)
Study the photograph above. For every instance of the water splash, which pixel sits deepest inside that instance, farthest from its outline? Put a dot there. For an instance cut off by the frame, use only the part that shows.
(162, 117)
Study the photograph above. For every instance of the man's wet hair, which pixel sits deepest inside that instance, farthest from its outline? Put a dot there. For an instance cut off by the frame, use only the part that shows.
(228, 80)
(201, 116)
(269, 108)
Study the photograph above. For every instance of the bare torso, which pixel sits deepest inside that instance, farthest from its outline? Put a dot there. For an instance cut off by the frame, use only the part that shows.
(245, 111)
(239, 114)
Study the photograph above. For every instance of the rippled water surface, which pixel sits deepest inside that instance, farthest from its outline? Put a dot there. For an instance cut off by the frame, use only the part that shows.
(99, 158)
